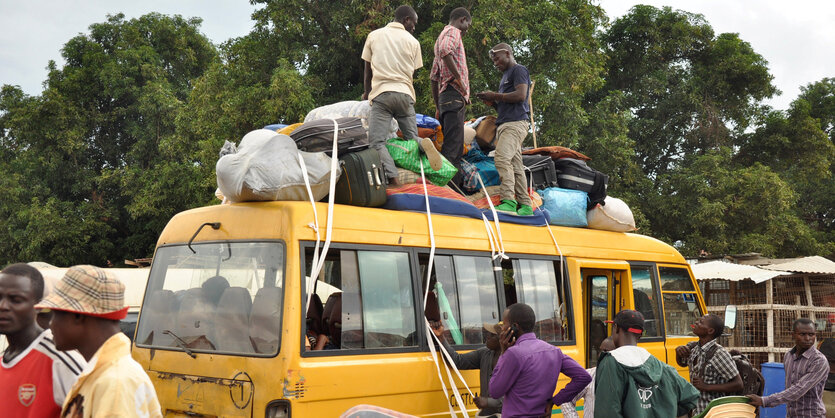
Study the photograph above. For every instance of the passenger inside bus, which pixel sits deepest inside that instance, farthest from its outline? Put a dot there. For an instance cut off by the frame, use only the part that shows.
(332, 321)
(315, 334)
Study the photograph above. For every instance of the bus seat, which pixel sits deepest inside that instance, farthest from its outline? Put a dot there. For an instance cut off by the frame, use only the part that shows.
(332, 318)
(195, 320)
(314, 315)
(214, 287)
(158, 312)
(264, 320)
(232, 320)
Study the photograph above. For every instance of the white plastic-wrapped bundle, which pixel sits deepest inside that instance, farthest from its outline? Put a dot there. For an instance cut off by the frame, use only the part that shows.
(266, 167)
(360, 109)
(615, 215)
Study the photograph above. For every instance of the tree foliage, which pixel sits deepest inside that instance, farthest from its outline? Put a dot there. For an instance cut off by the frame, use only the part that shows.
(126, 133)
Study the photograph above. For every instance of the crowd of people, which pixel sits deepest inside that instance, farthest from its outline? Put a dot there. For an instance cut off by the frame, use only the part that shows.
(80, 366)
(519, 372)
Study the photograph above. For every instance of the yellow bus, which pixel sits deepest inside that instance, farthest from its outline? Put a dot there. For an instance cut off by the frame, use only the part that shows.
(222, 331)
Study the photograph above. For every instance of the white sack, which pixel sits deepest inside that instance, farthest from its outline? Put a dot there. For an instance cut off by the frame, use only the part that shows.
(348, 108)
(266, 167)
(615, 215)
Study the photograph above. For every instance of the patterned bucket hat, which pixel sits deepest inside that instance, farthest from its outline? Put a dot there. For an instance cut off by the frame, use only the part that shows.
(88, 290)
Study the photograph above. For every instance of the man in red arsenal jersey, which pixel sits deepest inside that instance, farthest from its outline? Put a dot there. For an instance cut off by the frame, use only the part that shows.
(34, 376)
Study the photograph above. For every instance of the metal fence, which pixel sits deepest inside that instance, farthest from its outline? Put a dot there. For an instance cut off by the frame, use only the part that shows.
(765, 311)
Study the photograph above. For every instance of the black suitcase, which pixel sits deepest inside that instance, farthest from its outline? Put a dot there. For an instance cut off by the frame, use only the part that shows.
(574, 174)
(317, 135)
(540, 171)
(362, 182)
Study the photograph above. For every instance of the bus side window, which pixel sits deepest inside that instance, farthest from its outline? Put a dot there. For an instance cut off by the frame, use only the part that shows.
(646, 299)
(462, 295)
(370, 302)
(538, 283)
(681, 305)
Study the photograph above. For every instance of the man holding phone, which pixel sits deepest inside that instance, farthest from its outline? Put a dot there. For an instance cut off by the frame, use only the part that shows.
(528, 368)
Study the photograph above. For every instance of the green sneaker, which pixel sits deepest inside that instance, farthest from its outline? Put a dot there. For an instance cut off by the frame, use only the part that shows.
(507, 206)
(525, 210)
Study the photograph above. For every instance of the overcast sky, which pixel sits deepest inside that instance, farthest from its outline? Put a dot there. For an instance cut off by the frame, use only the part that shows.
(797, 38)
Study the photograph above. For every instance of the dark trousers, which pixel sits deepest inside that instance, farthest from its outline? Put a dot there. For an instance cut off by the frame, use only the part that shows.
(452, 110)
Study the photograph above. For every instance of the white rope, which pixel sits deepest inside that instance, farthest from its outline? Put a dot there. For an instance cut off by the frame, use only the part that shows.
(500, 242)
(311, 281)
(430, 333)
(489, 236)
(317, 263)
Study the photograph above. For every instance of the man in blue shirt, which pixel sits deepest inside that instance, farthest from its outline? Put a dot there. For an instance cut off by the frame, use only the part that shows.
(528, 368)
(511, 103)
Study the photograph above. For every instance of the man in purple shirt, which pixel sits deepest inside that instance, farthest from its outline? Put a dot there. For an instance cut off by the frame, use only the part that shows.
(806, 373)
(527, 371)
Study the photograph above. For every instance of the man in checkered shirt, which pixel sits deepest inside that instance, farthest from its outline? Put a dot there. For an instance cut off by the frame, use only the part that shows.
(712, 370)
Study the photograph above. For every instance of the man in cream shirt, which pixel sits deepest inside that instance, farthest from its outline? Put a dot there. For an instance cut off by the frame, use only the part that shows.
(391, 57)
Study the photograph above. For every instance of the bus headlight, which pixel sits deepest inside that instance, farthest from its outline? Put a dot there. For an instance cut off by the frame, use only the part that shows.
(278, 409)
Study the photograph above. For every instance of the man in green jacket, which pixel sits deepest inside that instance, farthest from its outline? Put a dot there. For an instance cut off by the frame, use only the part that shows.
(630, 382)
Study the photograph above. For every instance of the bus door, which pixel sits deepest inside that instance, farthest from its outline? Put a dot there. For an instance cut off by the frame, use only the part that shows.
(645, 298)
(682, 305)
(602, 299)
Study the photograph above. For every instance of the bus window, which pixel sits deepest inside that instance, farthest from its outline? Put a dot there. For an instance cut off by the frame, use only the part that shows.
(537, 283)
(681, 306)
(598, 308)
(646, 301)
(369, 299)
(223, 297)
(463, 292)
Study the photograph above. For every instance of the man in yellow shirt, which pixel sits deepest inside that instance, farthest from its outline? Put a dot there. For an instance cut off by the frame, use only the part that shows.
(87, 305)
(391, 56)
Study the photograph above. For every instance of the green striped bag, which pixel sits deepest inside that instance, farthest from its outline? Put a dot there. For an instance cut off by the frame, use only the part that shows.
(406, 154)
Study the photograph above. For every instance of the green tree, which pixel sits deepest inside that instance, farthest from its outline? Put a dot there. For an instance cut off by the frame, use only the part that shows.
(689, 91)
(95, 178)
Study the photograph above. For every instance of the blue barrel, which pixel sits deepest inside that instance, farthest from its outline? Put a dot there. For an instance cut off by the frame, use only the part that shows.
(775, 381)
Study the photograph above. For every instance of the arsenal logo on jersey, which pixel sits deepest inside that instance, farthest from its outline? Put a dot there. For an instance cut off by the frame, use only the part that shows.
(26, 394)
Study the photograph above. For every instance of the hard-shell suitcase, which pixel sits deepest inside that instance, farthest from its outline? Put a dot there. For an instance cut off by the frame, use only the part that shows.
(540, 171)
(317, 135)
(362, 182)
(574, 174)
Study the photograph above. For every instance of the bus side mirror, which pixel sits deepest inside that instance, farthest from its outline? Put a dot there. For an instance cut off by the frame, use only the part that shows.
(730, 316)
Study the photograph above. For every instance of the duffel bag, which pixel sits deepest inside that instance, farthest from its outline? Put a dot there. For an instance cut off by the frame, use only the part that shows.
(407, 154)
(567, 207)
(614, 215)
(317, 135)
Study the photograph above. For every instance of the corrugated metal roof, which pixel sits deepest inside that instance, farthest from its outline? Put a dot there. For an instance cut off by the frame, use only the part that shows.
(722, 270)
(814, 265)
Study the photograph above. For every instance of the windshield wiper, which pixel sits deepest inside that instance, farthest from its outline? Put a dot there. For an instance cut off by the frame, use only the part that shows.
(182, 344)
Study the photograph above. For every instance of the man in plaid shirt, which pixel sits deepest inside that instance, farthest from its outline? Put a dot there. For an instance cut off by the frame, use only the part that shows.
(712, 370)
(451, 86)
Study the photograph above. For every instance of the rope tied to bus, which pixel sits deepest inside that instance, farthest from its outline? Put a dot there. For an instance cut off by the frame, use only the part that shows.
(318, 260)
(429, 332)
(498, 233)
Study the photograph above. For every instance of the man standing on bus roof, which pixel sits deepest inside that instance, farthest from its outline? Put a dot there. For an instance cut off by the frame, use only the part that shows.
(528, 368)
(630, 382)
(34, 376)
(511, 103)
(87, 305)
(806, 373)
(451, 85)
(712, 370)
(391, 56)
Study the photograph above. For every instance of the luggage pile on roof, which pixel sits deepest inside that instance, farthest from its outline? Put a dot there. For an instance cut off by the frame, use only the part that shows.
(294, 162)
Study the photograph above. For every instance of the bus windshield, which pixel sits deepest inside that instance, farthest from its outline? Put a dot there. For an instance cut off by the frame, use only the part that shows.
(220, 297)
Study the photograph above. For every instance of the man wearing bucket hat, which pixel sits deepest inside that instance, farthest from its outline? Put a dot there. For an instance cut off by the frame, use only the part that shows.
(87, 305)
(484, 359)
(630, 382)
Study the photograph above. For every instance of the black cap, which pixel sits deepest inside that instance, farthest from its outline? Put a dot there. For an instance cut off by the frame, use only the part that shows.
(632, 321)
